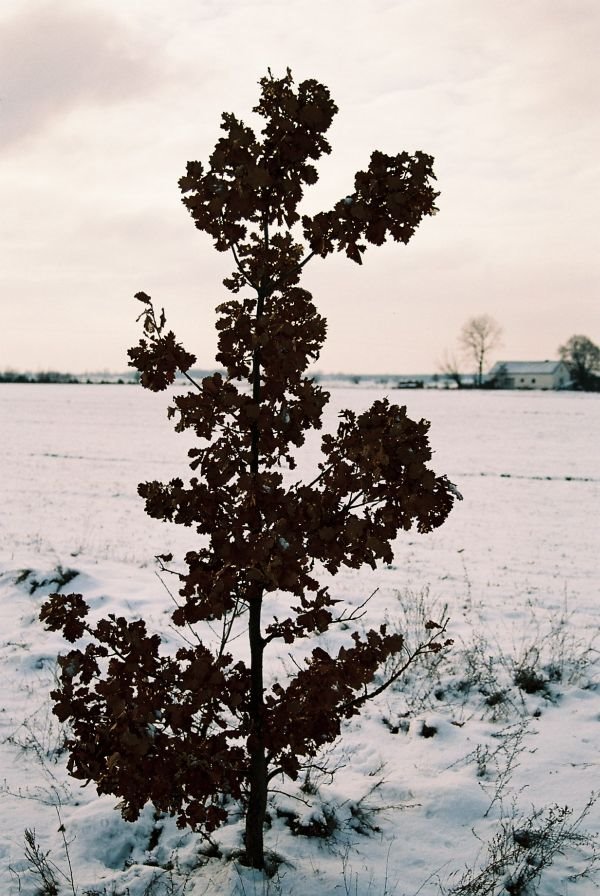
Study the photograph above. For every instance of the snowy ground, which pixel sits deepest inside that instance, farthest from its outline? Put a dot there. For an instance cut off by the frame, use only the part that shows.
(443, 774)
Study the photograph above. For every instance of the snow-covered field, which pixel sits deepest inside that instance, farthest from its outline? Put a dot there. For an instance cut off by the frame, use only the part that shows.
(468, 765)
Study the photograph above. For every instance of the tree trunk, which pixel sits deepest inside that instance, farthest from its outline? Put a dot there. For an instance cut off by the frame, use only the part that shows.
(257, 802)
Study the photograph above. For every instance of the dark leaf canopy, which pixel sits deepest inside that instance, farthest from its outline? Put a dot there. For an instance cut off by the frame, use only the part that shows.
(183, 728)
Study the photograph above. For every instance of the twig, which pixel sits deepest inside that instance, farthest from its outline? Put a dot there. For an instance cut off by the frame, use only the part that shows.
(62, 832)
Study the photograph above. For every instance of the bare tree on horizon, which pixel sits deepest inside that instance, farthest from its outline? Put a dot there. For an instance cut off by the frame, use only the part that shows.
(478, 337)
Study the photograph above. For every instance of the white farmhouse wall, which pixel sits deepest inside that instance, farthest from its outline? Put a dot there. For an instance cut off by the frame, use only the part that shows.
(531, 374)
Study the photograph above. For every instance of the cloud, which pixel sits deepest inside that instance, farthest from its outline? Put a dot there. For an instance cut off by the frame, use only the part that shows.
(55, 59)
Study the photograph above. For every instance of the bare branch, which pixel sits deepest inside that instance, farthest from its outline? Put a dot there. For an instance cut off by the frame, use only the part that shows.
(431, 645)
(356, 612)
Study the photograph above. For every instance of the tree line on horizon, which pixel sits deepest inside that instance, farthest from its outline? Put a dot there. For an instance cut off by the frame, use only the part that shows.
(479, 336)
(46, 376)
(49, 376)
(482, 334)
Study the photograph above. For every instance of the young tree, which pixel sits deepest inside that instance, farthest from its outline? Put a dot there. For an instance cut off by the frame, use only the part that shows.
(196, 730)
(582, 357)
(477, 338)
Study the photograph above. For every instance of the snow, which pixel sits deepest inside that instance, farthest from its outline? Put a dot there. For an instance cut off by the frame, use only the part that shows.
(432, 770)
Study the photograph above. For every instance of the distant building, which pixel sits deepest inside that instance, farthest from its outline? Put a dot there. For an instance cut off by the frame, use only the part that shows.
(529, 375)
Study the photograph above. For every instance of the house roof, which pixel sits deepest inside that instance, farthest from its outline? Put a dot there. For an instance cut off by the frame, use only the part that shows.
(525, 367)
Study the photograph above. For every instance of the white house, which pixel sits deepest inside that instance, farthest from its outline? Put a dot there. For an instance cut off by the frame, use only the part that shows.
(530, 375)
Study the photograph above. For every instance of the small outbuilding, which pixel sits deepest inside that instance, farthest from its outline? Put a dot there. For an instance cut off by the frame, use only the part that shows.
(529, 375)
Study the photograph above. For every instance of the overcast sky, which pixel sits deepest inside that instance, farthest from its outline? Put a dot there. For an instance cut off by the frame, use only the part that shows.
(102, 104)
